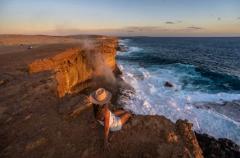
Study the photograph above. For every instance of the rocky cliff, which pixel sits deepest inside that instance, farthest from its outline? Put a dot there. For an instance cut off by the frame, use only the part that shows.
(76, 67)
(35, 122)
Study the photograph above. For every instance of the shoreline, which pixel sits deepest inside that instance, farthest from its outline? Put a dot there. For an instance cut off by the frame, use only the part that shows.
(211, 146)
(215, 147)
(45, 116)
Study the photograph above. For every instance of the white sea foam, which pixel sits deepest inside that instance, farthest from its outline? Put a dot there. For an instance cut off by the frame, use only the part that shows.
(151, 97)
(130, 49)
(134, 49)
(123, 42)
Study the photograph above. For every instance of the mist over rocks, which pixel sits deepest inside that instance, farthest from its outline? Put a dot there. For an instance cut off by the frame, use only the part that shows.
(77, 68)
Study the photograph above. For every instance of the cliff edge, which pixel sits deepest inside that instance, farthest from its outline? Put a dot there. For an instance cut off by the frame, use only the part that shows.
(44, 110)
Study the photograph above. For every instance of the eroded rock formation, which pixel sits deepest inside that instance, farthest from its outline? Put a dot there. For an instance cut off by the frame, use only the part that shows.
(78, 66)
(155, 136)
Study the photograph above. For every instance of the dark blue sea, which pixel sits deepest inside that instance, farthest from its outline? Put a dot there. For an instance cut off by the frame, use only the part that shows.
(204, 72)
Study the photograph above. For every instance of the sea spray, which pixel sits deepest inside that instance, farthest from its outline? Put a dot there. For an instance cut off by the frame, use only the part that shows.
(97, 61)
(146, 72)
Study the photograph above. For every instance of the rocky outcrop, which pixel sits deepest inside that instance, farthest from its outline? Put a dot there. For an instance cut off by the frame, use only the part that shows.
(217, 148)
(32, 117)
(155, 136)
(168, 84)
(76, 67)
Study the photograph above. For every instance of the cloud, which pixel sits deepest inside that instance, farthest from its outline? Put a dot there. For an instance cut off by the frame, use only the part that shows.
(158, 30)
(169, 22)
(194, 28)
(173, 22)
(219, 18)
(144, 29)
(238, 18)
(130, 30)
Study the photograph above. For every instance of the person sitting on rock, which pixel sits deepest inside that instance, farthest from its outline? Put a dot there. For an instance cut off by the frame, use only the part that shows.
(112, 121)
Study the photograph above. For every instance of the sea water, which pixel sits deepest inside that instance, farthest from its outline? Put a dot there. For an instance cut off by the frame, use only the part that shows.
(202, 71)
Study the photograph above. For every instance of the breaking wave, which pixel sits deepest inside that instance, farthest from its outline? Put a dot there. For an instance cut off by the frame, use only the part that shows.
(192, 87)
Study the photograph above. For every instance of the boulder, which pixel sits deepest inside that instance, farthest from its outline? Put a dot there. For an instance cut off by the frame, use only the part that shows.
(168, 84)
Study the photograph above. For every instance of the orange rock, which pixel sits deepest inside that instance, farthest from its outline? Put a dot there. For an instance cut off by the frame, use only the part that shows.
(79, 65)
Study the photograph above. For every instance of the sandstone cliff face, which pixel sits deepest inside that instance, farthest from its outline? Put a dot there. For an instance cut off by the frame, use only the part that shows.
(76, 67)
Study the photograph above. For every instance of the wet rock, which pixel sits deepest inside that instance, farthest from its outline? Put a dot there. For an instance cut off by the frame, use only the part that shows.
(168, 84)
(117, 71)
(217, 148)
(122, 48)
(230, 108)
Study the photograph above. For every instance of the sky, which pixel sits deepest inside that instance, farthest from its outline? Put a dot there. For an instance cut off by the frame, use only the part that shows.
(164, 18)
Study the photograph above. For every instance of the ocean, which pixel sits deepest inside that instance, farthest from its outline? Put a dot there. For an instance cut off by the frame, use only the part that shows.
(205, 78)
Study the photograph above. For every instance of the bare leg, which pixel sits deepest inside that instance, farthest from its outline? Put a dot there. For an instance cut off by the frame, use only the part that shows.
(119, 112)
(125, 118)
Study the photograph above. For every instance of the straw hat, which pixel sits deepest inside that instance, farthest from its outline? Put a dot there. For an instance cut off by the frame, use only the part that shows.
(100, 96)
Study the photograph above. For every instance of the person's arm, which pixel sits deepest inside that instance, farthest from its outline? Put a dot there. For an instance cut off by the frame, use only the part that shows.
(106, 123)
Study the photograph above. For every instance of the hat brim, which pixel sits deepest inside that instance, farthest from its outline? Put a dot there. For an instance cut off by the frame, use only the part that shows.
(95, 101)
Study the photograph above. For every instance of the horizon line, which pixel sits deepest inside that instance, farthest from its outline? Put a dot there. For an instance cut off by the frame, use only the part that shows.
(121, 36)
